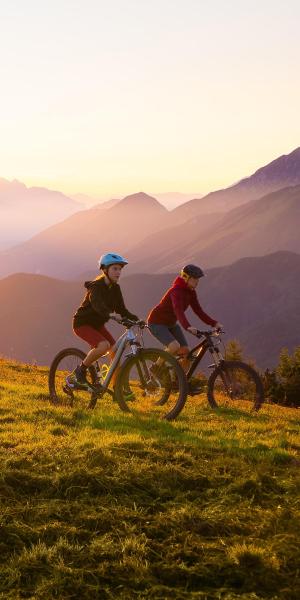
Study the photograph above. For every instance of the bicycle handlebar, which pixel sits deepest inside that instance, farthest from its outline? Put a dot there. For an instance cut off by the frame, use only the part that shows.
(211, 332)
(142, 324)
(129, 322)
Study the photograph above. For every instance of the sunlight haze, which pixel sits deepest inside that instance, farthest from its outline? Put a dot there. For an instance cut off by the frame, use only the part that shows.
(111, 98)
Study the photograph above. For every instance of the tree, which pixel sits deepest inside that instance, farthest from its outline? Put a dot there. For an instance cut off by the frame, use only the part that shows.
(282, 385)
(233, 350)
(288, 372)
(274, 391)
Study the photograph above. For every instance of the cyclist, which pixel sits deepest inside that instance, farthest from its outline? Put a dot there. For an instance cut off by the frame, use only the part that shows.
(163, 318)
(103, 297)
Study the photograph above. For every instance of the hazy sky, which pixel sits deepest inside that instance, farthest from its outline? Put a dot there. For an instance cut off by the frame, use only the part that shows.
(109, 97)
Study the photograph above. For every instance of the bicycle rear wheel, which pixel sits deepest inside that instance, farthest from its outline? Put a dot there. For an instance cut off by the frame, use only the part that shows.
(62, 365)
(237, 385)
(151, 383)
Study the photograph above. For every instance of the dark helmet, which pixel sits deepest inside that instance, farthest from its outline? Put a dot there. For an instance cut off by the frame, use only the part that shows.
(191, 271)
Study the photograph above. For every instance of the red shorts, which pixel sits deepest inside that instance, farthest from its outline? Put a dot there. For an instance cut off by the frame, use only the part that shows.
(94, 336)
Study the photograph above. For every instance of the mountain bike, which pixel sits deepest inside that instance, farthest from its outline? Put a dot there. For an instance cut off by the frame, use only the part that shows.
(148, 381)
(231, 383)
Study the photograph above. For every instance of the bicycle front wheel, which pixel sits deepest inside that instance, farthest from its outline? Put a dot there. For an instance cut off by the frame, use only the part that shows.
(62, 365)
(151, 383)
(237, 385)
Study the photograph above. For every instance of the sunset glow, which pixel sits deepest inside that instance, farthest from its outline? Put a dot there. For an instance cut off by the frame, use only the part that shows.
(111, 98)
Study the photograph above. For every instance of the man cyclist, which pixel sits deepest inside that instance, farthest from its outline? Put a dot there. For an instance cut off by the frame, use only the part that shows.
(102, 298)
(163, 318)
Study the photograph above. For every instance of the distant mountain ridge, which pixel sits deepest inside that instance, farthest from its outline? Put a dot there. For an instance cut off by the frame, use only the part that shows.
(259, 227)
(25, 211)
(173, 199)
(281, 172)
(74, 245)
(140, 202)
(215, 230)
(257, 300)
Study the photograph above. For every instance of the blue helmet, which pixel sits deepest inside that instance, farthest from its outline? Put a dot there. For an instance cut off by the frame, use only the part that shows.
(106, 260)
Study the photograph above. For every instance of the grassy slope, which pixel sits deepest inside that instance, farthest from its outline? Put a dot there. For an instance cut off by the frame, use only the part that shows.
(101, 505)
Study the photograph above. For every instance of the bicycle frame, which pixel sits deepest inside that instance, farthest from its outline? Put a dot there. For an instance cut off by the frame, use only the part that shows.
(127, 338)
(197, 353)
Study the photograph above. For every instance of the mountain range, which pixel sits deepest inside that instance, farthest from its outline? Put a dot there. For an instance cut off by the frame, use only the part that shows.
(250, 218)
(257, 300)
(280, 173)
(168, 199)
(74, 245)
(256, 228)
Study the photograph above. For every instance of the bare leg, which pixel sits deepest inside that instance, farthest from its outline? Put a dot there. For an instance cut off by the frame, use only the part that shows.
(172, 348)
(182, 356)
(95, 353)
(112, 354)
(102, 348)
(181, 352)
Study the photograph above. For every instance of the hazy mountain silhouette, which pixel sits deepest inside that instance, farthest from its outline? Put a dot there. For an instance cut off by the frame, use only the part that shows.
(74, 245)
(259, 227)
(177, 246)
(168, 199)
(90, 202)
(173, 199)
(158, 240)
(108, 203)
(25, 211)
(281, 172)
(87, 201)
(257, 299)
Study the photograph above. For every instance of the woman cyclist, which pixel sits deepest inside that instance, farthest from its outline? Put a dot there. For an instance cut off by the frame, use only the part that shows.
(102, 298)
(163, 318)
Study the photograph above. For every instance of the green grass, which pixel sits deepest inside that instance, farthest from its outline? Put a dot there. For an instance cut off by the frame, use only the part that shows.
(104, 505)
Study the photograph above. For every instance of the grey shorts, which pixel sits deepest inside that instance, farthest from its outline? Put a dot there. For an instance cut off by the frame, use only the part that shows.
(166, 334)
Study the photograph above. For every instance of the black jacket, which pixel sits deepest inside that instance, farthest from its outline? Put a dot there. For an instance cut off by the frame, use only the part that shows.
(100, 300)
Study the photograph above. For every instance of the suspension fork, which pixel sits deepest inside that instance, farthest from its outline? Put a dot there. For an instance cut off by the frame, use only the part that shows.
(224, 374)
(216, 355)
(141, 366)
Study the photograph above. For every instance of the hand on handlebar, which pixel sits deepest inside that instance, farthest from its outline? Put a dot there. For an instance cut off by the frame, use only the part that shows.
(218, 328)
(115, 317)
(141, 323)
(125, 321)
(193, 330)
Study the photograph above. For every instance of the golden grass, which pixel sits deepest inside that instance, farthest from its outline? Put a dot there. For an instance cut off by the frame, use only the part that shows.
(106, 505)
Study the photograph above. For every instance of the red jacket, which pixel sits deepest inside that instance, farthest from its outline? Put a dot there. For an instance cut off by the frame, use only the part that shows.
(174, 304)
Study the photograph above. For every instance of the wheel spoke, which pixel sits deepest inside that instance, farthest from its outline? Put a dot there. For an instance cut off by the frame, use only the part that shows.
(151, 384)
(237, 385)
(60, 392)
